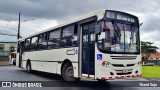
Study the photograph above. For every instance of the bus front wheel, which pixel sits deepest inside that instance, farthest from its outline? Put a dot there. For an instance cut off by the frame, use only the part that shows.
(67, 73)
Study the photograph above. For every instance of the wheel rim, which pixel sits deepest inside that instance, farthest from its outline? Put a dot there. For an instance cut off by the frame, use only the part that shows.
(69, 72)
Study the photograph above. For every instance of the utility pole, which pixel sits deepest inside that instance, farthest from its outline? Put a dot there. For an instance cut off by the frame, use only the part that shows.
(18, 36)
(19, 45)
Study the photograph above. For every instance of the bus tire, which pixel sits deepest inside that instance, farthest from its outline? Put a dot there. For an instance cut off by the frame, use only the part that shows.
(28, 67)
(101, 81)
(67, 73)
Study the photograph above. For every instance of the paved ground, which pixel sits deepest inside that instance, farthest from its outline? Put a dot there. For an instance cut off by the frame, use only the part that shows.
(12, 73)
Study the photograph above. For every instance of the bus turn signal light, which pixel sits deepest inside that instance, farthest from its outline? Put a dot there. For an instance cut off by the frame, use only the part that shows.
(105, 63)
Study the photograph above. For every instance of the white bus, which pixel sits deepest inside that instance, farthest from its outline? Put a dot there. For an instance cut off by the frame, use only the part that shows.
(102, 45)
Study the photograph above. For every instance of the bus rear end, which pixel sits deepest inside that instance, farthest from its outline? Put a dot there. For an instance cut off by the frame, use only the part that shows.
(117, 48)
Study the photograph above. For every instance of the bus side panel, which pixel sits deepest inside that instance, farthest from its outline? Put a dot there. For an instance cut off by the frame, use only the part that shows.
(51, 60)
(101, 71)
(24, 64)
(70, 54)
(32, 57)
(58, 70)
(75, 67)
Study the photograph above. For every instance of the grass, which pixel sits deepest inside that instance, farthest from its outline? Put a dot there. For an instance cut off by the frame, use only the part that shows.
(151, 71)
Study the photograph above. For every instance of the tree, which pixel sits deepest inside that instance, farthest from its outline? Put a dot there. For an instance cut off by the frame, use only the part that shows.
(147, 48)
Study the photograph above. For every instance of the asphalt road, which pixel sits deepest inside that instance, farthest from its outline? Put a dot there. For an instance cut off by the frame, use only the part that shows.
(13, 73)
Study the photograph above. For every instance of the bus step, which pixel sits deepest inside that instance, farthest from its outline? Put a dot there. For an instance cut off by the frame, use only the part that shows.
(85, 76)
(91, 78)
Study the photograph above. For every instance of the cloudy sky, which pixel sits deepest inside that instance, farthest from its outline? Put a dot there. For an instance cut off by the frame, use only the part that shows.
(48, 13)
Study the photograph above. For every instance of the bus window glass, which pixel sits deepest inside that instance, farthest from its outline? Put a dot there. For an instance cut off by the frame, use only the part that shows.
(92, 31)
(34, 43)
(69, 39)
(54, 39)
(27, 45)
(118, 37)
(42, 41)
(69, 30)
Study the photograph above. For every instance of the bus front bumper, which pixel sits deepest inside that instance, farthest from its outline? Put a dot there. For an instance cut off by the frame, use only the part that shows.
(105, 73)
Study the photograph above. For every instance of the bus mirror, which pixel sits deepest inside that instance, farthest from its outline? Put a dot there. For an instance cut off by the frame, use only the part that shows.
(97, 30)
(141, 24)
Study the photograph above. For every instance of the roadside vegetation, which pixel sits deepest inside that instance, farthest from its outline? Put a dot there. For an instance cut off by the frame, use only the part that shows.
(151, 71)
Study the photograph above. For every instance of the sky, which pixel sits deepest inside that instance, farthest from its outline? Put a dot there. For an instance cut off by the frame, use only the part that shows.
(37, 15)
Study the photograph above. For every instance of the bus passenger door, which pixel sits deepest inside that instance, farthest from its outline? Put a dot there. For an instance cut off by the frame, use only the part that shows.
(88, 51)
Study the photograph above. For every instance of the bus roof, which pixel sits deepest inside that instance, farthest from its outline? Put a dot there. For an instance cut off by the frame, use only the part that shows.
(98, 13)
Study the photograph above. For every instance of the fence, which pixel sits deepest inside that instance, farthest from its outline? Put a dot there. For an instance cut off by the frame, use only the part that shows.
(4, 55)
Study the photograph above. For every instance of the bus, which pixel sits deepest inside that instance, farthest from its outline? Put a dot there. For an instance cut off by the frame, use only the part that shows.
(102, 45)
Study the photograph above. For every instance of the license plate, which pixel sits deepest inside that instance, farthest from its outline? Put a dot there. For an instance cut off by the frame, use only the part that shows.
(126, 71)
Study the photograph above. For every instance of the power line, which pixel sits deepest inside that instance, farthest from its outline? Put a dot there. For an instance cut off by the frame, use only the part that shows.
(8, 28)
(7, 34)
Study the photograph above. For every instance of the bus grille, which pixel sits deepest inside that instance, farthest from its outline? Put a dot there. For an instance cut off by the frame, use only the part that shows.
(122, 65)
(124, 73)
(123, 57)
(130, 65)
(118, 65)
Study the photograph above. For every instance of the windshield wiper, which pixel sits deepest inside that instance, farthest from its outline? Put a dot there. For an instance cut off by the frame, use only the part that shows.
(131, 36)
(117, 31)
(115, 26)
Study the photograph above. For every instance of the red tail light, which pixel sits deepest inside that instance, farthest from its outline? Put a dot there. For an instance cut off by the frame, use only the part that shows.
(102, 78)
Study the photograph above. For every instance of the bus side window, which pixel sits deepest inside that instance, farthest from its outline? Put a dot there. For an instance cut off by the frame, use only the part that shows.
(54, 39)
(42, 41)
(34, 43)
(27, 44)
(69, 37)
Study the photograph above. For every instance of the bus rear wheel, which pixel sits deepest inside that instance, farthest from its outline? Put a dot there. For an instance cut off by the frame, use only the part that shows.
(28, 67)
(67, 73)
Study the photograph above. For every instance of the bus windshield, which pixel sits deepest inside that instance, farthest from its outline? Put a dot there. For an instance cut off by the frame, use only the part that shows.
(118, 37)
